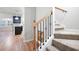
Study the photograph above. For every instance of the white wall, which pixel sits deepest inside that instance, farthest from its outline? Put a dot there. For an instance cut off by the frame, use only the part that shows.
(42, 11)
(30, 15)
(69, 19)
(59, 16)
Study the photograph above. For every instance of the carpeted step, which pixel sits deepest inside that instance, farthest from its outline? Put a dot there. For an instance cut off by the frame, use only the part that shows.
(66, 34)
(66, 45)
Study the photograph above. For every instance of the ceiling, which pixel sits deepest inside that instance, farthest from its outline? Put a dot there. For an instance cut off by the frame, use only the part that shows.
(11, 10)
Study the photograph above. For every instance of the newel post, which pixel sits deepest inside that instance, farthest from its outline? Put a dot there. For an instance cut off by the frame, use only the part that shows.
(34, 34)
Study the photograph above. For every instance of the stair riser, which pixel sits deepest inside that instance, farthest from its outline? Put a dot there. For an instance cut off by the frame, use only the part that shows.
(63, 36)
(59, 29)
(62, 47)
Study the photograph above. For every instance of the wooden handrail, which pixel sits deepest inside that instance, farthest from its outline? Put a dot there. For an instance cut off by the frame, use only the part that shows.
(61, 9)
(43, 18)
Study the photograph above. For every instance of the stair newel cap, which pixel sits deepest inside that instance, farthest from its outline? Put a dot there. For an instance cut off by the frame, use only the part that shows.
(34, 23)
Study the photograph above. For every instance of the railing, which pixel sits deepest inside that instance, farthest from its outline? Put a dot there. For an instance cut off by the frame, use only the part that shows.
(60, 9)
(42, 31)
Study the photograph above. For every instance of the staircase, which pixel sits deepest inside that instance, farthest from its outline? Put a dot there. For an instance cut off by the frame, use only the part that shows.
(66, 45)
(64, 40)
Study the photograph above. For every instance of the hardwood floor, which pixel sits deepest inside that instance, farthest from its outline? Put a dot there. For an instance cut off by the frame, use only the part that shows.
(8, 42)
